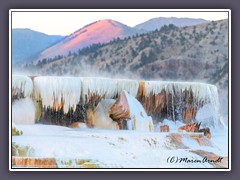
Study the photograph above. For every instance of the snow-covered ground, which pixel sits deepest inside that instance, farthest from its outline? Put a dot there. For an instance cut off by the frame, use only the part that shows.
(115, 148)
(136, 148)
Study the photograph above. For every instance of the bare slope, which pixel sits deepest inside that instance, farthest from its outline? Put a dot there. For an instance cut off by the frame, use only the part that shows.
(98, 32)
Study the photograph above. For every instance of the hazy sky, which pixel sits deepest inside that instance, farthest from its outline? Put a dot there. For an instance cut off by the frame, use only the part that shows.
(65, 23)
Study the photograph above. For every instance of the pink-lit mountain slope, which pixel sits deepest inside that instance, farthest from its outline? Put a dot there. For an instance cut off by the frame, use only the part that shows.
(98, 32)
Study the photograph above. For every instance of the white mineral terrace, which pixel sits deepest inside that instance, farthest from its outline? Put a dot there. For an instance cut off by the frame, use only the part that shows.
(51, 87)
(51, 90)
(23, 83)
(108, 87)
(142, 146)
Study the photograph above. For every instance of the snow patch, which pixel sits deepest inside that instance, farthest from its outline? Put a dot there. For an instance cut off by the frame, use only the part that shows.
(125, 149)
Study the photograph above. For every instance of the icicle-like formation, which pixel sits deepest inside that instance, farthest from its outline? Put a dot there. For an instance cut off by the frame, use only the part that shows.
(199, 90)
(130, 86)
(58, 91)
(209, 113)
(23, 111)
(106, 87)
(162, 100)
(22, 86)
(183, 98)
(139, 118)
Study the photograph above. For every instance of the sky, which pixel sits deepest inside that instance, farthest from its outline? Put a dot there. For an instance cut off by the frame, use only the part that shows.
(65, 23)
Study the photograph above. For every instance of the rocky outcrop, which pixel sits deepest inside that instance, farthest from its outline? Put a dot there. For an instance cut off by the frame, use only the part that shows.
(190, 127)
(195, 127)
(164, 128)
(206, 132)
(128, 108)
(120, 109)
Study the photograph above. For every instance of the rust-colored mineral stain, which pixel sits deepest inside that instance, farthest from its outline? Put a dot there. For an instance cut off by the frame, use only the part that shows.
(214, 159)
(32, 162)
(141, 89)
(152, 103)
(176, 139)
(160, 101)
(74, 125)
(120, 109)
(164, 128)
(90, 118)
(92, 99)
(33, 77)
(190, 127)
(189, 114)
(58, 105)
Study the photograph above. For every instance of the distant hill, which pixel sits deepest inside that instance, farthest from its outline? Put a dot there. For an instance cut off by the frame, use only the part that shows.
(101, 31)
(190, 53)
(194, 53)
(26, 42)
(157, 23)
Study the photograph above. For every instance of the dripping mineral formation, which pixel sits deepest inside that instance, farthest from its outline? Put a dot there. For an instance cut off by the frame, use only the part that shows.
(124, 117)
(112, 103)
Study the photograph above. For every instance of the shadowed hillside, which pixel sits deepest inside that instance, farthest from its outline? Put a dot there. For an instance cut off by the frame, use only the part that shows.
(26, 42)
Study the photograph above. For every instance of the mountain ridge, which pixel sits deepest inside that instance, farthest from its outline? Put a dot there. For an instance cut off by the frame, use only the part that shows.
(203, 46)
(24, 43)
(157, 23)
(101, 31)
(196, 53)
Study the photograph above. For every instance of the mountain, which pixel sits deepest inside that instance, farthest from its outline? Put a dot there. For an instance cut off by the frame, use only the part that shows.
(198, 52)
(26, 42)
(101, 31)
(157, 23)
(195, 53)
